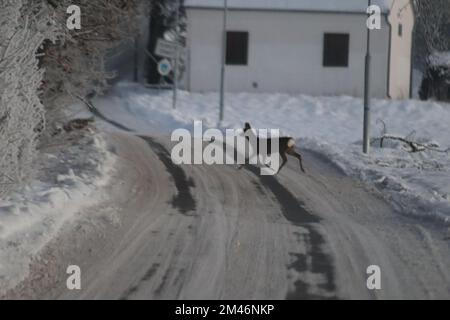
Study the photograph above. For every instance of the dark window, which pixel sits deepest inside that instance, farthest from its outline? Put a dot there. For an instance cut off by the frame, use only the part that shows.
(237, 48)
(335, 49)
(400, 30)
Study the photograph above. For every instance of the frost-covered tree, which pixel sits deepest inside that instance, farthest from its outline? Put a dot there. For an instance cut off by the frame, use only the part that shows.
(432, 30)
(75, 64)
(432, 41)
(24, 25)
(432, 25)
(44, 66)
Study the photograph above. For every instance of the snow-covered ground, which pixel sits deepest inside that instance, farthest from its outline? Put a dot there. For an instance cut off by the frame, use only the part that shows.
(75, 172)
(69, 177)
(416, 183)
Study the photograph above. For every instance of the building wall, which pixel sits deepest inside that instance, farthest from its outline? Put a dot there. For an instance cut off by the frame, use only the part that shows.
(285, 53)
(400, 61)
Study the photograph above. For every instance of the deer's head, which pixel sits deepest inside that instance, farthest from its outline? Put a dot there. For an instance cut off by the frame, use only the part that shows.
(247, 127)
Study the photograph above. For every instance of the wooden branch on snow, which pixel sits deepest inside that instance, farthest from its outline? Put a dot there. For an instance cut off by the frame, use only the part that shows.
(415, 146)
(408, 140)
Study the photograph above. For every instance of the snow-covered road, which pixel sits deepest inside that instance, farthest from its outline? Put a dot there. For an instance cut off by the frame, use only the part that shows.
(209, 232)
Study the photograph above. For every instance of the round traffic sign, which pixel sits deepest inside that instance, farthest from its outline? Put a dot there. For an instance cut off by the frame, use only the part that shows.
(164, 67)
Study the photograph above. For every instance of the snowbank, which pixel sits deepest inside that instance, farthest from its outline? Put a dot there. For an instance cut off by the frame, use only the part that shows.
(418, 184)
(69, 180)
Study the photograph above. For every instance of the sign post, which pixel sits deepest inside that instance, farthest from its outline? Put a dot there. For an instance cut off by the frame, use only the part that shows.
(177, 56)
(164, 67)
(224, 50)
(366, 133)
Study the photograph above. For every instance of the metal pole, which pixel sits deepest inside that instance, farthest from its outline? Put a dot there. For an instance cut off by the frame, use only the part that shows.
(222, 73)
(177, 56)
(366, 134)
(136, 59)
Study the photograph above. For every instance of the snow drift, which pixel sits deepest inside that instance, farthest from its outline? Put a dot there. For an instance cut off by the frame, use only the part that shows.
(69, 180)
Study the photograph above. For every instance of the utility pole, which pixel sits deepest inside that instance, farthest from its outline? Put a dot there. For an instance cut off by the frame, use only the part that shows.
(224, 50)
(177, 56)
(366, 133)
(136, 59)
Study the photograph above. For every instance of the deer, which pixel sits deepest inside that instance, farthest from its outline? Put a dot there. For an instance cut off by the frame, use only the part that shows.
(286, 146)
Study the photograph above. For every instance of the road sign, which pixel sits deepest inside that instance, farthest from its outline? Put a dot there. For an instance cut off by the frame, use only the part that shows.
(164, 67)
(166, 49)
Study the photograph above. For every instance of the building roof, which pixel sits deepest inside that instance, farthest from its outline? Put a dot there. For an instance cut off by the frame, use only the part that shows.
(352, 6)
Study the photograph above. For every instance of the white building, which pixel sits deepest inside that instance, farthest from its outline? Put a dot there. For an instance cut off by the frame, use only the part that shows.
(314, 47)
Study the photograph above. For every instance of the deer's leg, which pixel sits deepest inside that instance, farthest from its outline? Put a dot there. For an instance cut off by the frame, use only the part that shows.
(294, 153)
(284, 158)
